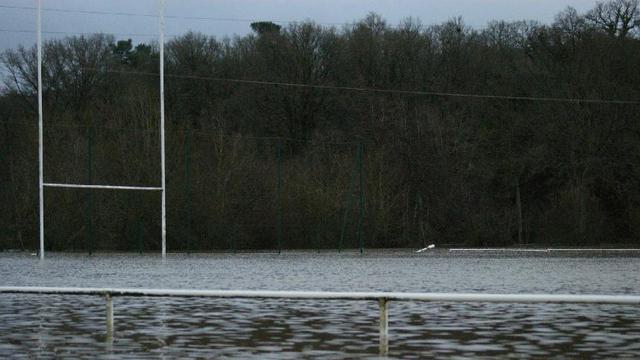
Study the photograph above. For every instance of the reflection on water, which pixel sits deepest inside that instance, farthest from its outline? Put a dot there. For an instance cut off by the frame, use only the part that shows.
(56, 326)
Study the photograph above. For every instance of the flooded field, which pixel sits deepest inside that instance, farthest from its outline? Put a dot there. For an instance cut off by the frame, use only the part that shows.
(63, 326)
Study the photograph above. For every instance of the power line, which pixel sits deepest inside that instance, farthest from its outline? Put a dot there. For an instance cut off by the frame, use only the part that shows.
(71, 11)
(82, 33)
(375, 90)
(17, 31)
(241, 20)
(300, 85)
(207, 18)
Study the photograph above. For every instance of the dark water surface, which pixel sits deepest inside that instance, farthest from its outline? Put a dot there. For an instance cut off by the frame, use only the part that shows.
(63, 326)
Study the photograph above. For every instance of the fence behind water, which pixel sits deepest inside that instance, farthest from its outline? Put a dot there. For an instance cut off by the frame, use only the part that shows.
(224, 191)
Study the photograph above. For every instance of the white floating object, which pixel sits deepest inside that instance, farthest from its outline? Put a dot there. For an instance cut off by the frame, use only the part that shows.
(432, 246)
(34, 254)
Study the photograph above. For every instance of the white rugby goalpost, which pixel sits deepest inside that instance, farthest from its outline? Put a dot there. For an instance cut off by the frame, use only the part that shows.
(42, 184)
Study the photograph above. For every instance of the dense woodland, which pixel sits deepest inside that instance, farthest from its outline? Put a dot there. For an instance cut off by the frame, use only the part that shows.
(255, 160)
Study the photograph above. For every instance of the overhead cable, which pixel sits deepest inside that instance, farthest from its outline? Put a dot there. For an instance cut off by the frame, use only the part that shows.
(377, 90)
(207, 18)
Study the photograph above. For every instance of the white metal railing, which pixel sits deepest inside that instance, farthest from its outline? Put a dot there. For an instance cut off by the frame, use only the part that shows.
(383, 299)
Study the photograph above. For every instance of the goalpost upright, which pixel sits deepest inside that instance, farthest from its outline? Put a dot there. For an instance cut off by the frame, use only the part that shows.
(162, 160)
(40, 131)
(42, 184)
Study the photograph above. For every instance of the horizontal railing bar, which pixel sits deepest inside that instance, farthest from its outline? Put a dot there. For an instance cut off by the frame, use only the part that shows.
(102, 187)
(319, 295)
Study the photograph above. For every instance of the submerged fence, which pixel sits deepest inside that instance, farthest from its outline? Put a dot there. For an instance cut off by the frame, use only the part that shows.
(224, 191)
(232, 192)
(383, 299)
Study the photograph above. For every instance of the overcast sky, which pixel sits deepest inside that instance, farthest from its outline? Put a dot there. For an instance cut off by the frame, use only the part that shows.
(475, 13)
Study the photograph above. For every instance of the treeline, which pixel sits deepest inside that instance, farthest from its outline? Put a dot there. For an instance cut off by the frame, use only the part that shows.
(255, 160)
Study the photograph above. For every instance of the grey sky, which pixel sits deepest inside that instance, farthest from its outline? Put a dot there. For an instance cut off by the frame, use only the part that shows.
(475, 13)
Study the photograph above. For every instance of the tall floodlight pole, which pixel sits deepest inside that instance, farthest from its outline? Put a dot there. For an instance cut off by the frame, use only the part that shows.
(162, 160)
(40, 130)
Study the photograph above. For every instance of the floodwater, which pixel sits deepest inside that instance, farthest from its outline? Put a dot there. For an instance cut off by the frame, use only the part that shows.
(74, 326)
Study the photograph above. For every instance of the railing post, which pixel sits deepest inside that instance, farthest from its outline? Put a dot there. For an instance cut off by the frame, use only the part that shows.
(384, 326)
(109, 317)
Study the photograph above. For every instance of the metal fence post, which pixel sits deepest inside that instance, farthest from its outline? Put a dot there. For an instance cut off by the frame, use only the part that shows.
(109, 317)
(279, 195)
(187, 188)
(140, 236)
(89, 235)
(384, 326)
(361, 196)
(348, 202)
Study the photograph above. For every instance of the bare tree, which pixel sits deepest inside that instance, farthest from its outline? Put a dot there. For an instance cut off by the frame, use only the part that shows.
(617, 17)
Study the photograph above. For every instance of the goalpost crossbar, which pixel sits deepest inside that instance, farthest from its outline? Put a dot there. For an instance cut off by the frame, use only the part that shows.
(102, 187)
